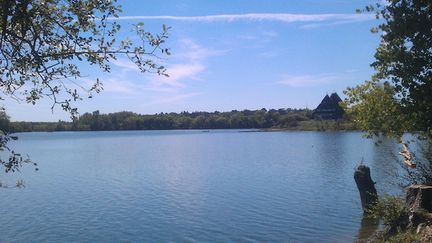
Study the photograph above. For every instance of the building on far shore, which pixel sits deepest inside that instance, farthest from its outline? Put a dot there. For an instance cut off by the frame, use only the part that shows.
(329, 108)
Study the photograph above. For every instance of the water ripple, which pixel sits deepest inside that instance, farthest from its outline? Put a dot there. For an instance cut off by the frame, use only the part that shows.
(188, 186)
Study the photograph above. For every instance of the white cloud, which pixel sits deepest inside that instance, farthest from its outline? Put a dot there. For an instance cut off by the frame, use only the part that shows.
(186, 65)
(309, 80)
(261, 36)
(178, 72)
(365, 17)
(191, 59)
(192, 51)
(121, 84)
(279, 17)
(116, 85)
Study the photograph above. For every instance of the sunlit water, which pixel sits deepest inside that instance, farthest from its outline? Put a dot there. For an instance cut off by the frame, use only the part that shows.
(191, 186)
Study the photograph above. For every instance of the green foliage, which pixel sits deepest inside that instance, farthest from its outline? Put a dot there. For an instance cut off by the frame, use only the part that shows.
(43, 44)
(388, 208)
(374, 108)
(4, 121)
(291, 119)
(398, 99)
(14, 161)
(404, 56)
(11, 160)
(401, 237)
(403, 62)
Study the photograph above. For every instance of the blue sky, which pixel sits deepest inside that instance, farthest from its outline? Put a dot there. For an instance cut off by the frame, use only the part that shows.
(233, 54)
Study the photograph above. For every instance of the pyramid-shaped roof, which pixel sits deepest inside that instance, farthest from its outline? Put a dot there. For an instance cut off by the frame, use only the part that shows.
(327, 103)
(335, 97)
(329, 107)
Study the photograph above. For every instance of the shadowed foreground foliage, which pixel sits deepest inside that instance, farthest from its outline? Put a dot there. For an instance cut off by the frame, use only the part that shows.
(45, 43)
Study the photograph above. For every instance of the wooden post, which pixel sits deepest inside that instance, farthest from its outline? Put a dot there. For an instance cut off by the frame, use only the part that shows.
(366, 187)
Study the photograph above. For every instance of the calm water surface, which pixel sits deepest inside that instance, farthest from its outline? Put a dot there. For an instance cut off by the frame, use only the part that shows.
(191, 186)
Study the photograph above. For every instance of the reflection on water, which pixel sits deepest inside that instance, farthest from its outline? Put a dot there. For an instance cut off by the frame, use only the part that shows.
(216, 186)
(386, 173)
(367, 228)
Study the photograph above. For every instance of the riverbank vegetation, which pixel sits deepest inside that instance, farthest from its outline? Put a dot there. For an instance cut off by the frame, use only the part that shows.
(283, 119)
(398, 100)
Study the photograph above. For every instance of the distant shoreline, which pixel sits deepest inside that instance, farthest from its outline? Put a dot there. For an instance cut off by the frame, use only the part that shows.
(242, 130)
(266, 120)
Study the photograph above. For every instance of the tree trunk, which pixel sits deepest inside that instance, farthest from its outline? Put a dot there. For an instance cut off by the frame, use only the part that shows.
(366, 187)
(419, 197)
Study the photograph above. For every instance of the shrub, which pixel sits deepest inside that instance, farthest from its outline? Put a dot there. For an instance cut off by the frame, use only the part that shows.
(389, 208)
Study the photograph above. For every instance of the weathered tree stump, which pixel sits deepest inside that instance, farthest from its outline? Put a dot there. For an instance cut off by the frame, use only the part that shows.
(419, 198)
(366, 187)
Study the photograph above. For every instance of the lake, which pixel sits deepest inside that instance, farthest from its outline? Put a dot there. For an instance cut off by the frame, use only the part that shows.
(191, 186)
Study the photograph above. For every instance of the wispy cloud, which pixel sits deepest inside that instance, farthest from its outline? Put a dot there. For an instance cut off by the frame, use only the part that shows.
(175, 98)
(193, 58)
(262, 36)
(125, 64)
(123, 85)
(309, 80)
(186, 64)
(338, 21)
(192, 51)
(279, 17)
(178, 72)
(116, 85)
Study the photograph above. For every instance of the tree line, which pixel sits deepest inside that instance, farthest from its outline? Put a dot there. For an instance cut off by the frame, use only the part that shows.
(125, 120)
